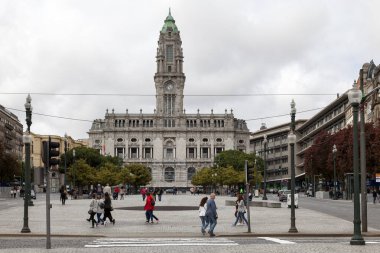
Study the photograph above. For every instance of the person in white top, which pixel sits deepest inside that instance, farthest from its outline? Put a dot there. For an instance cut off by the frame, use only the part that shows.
(107, 189)
(202, 215)
(241, 210)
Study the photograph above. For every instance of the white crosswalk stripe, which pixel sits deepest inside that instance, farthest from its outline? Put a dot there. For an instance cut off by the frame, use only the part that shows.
(157, 242)
(277, 240)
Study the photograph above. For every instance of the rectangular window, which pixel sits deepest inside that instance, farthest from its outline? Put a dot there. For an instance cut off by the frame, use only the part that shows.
(169, 53)
(191, 153)
(134, 152)
(204, 152)
(148, 153)
(169, 153)
(218, 150)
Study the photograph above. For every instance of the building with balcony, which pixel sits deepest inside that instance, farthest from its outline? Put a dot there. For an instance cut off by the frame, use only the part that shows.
(10, 133)
(277, 152)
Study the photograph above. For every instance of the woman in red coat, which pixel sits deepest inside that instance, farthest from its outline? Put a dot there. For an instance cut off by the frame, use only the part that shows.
(149, 207)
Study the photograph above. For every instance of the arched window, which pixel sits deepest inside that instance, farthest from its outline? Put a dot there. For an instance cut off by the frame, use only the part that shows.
(190, 173)
(169, 174)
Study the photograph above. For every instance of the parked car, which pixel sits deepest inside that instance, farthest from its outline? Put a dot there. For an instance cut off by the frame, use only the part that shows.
(283, 195)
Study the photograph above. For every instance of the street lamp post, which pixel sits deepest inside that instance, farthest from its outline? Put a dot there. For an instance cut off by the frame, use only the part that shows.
(73, 167)
(64, 179)
(292, 141)
(335, 184)
(355, 96)
(27, 139)
(265, 141)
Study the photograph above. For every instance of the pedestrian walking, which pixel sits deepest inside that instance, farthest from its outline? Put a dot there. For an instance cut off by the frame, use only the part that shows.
(116, 192)
(374, 195)
(122, 192)
(241, 211)
(211, 214)
(99, 210)
(237, 210)
(63, 193)
(159, 194)
(107, 189)
(92, 210)
(202, 215)
(108, 208)
(143, 192)
(149, 207)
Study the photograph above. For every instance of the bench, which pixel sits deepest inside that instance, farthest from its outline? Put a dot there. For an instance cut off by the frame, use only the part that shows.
(258, 203)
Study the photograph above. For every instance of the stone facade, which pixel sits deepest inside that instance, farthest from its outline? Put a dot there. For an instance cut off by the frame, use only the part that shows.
(11, 133)
(278, 152)
(170, 142)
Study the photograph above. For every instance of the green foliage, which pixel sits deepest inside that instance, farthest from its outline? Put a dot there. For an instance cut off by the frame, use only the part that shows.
(107, 174)
(233, 158)
(83, 173)
(203, 177)
(140, 174)
(9, 166)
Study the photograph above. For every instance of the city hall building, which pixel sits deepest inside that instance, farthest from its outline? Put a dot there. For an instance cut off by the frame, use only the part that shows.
(172, 143)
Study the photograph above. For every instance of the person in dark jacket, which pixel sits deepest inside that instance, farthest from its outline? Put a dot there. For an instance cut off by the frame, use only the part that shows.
(211, 214)
(108, 208)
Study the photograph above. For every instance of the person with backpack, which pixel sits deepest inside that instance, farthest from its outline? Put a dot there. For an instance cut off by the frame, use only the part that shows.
(92, 210)
(149, 207)
(108, 208)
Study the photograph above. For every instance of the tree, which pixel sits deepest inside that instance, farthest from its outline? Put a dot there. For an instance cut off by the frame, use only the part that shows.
(233, 158)
(140, 175)
(108, 174)
(9, 166)
(203, 177)
(84, 174)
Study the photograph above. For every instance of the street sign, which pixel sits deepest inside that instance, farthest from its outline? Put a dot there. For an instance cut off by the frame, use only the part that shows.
(377, 177)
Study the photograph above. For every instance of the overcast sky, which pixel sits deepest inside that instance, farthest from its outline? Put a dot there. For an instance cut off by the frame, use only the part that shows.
(230, 47)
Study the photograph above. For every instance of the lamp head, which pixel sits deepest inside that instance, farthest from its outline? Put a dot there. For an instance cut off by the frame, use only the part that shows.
(293, 107)
(291, 138)
(354, 95)
(28, 105)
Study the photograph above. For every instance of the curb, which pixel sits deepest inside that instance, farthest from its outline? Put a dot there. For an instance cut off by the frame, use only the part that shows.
(246, 234)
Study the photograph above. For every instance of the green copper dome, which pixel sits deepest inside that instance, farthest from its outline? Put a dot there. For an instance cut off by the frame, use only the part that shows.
(169, 24)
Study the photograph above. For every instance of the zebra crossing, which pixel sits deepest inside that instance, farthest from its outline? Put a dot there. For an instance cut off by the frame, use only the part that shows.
(157, 242)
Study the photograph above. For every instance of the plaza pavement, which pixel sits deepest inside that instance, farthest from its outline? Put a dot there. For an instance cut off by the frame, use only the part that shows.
(70, 219)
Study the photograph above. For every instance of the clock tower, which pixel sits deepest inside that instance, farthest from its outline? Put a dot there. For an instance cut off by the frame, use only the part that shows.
(169, 78)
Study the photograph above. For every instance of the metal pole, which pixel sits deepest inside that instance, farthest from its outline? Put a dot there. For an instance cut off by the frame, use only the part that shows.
(363, 168)
(357, 238)
(64, 180)
(48, 242)
(25, 228)
(247, 195)
(265, 170)
(334, 154)
(292, 228)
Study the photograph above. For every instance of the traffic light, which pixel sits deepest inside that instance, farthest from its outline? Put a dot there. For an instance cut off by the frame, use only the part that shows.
(50, 153)
(250, 173)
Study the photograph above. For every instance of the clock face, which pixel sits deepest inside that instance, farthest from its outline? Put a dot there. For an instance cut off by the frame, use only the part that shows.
(169, 87)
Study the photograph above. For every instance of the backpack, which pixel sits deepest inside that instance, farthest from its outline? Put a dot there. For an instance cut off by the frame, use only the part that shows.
(152, 202)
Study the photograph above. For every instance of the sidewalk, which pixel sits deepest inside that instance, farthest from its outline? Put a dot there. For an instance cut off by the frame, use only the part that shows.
(70, 220)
